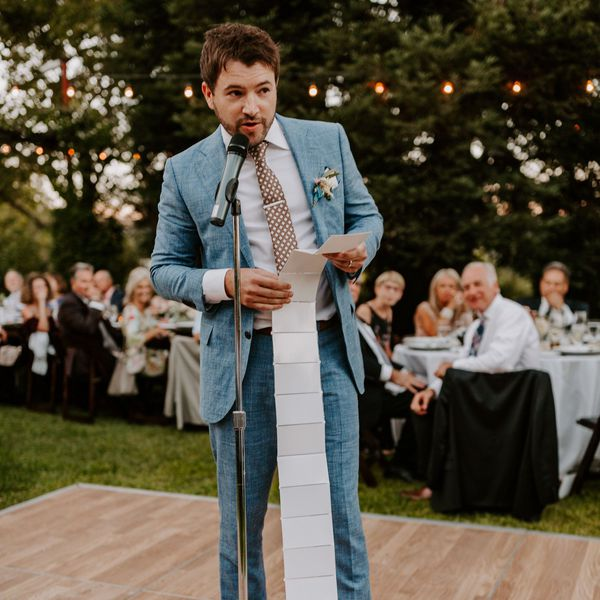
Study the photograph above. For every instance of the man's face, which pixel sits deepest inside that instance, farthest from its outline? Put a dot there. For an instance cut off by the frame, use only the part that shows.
(102, 280)
(389, 292)
(82, 283)
(13, 282)
(553, 281)
(244, 99)
(478, 291)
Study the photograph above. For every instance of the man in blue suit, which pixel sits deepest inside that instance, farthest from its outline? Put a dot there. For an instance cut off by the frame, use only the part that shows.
(312, 180)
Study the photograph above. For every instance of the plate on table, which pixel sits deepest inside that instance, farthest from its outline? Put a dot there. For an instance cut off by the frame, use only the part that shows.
(429, 343)
(579, 350)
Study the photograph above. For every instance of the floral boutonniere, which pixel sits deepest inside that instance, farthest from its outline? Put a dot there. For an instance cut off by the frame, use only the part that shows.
(325, 185)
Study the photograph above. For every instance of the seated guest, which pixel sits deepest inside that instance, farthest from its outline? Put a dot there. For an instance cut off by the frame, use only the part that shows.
(13, 282)
(58, 286)
(112, 295)
(41, 337)
(444, 311)
(388, 392)
(552, 304)
(377, 313)
(83, 327)
(140, 327)
(502, 337)
(146, 348)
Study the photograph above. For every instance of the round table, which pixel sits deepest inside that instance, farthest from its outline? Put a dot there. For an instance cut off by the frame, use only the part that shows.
(575, 385)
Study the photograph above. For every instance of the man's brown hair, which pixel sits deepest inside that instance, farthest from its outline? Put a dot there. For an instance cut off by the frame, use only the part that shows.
(235, 41)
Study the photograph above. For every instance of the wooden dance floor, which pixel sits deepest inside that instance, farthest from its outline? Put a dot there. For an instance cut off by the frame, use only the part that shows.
(102, 543)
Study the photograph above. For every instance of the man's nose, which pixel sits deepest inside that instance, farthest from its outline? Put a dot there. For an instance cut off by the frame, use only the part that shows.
(250, 105)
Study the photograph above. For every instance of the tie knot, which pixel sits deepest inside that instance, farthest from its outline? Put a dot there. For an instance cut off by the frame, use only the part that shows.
(258, 152)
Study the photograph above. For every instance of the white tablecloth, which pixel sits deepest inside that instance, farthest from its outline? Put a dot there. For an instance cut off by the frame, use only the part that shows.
(575, 384)
(183, 384)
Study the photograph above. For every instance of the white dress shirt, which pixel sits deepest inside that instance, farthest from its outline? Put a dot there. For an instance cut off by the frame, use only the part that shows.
(510, 341)
(281, 161)
(562, 317)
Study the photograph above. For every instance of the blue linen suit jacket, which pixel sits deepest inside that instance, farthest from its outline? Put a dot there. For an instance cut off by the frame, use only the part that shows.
(187, 245)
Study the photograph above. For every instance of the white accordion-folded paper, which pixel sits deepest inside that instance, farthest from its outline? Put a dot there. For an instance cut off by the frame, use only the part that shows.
(307, 528)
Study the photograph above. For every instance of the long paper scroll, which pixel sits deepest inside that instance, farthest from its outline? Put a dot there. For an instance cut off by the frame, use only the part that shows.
(308, 545)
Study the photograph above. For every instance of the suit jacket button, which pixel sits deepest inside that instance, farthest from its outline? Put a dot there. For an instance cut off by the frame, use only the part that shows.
(247, 334)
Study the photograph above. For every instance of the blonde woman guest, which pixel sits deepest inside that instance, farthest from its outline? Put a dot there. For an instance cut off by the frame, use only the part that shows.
(377, 312)
(140, 327)
(444, 311)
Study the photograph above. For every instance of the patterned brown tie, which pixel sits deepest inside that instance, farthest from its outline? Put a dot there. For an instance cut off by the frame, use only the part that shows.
(276, 209)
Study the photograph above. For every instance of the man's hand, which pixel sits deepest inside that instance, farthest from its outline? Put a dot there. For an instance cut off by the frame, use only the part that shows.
(259, 289)
(351, 260)
(421, 401)
(3, 335)
(555, 300)
(441, 370)
(408, 380)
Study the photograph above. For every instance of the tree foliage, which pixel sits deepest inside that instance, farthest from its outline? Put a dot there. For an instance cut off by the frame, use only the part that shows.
(481, 171)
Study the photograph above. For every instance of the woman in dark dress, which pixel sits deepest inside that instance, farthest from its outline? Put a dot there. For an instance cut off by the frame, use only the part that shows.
(378, 312)
(41, 339)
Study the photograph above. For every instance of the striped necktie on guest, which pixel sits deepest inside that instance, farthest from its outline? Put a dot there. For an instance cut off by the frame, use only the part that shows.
(476, 341)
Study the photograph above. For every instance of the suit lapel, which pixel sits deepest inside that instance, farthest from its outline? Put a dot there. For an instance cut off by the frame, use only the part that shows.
(307, 154)
(210, 165)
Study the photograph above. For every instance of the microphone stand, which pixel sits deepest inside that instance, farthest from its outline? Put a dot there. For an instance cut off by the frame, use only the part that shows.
(239, 415)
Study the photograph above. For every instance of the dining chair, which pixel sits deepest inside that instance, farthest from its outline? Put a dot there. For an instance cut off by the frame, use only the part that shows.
(494, 443)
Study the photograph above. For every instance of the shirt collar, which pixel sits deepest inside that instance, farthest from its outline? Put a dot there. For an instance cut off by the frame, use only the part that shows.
(492, 309)
(274, 136)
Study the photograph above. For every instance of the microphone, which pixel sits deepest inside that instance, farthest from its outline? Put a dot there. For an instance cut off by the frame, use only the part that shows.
(236, 154)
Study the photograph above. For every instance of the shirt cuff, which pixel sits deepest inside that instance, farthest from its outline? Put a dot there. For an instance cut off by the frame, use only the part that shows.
(386, 373)
(213, 286)
(96, 305)
(436, 386)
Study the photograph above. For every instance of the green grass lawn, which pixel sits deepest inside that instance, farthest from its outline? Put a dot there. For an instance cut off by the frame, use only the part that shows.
(41, 452)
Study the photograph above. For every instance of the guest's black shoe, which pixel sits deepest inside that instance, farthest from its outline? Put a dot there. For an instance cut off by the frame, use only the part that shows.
(398, 472)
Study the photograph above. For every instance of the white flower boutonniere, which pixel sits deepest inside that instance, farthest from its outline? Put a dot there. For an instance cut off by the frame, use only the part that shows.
(325, 185)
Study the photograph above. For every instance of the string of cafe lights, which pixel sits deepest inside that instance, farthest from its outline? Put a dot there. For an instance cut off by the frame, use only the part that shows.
(447, 88)
(379, 87)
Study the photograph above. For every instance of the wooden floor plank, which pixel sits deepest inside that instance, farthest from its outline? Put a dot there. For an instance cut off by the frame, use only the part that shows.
(90, 542)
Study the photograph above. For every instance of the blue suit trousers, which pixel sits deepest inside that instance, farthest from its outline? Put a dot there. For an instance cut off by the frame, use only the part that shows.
(341, 430)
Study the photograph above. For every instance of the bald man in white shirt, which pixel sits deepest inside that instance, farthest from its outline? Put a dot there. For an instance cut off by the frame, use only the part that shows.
(502, 338)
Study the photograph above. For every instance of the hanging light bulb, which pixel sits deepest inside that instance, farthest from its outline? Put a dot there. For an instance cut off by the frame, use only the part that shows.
(128, 92)
(188, 91)
(102, 155)
(516, 87)
(447, 88)
(70, 91)
(313, 90)
(5, 148)
(39, 151)
(71, 151)
(589, 86)
(379, 87)
(137, 156)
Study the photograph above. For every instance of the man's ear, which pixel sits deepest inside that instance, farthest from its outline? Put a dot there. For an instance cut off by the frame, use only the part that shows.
(208, 95)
